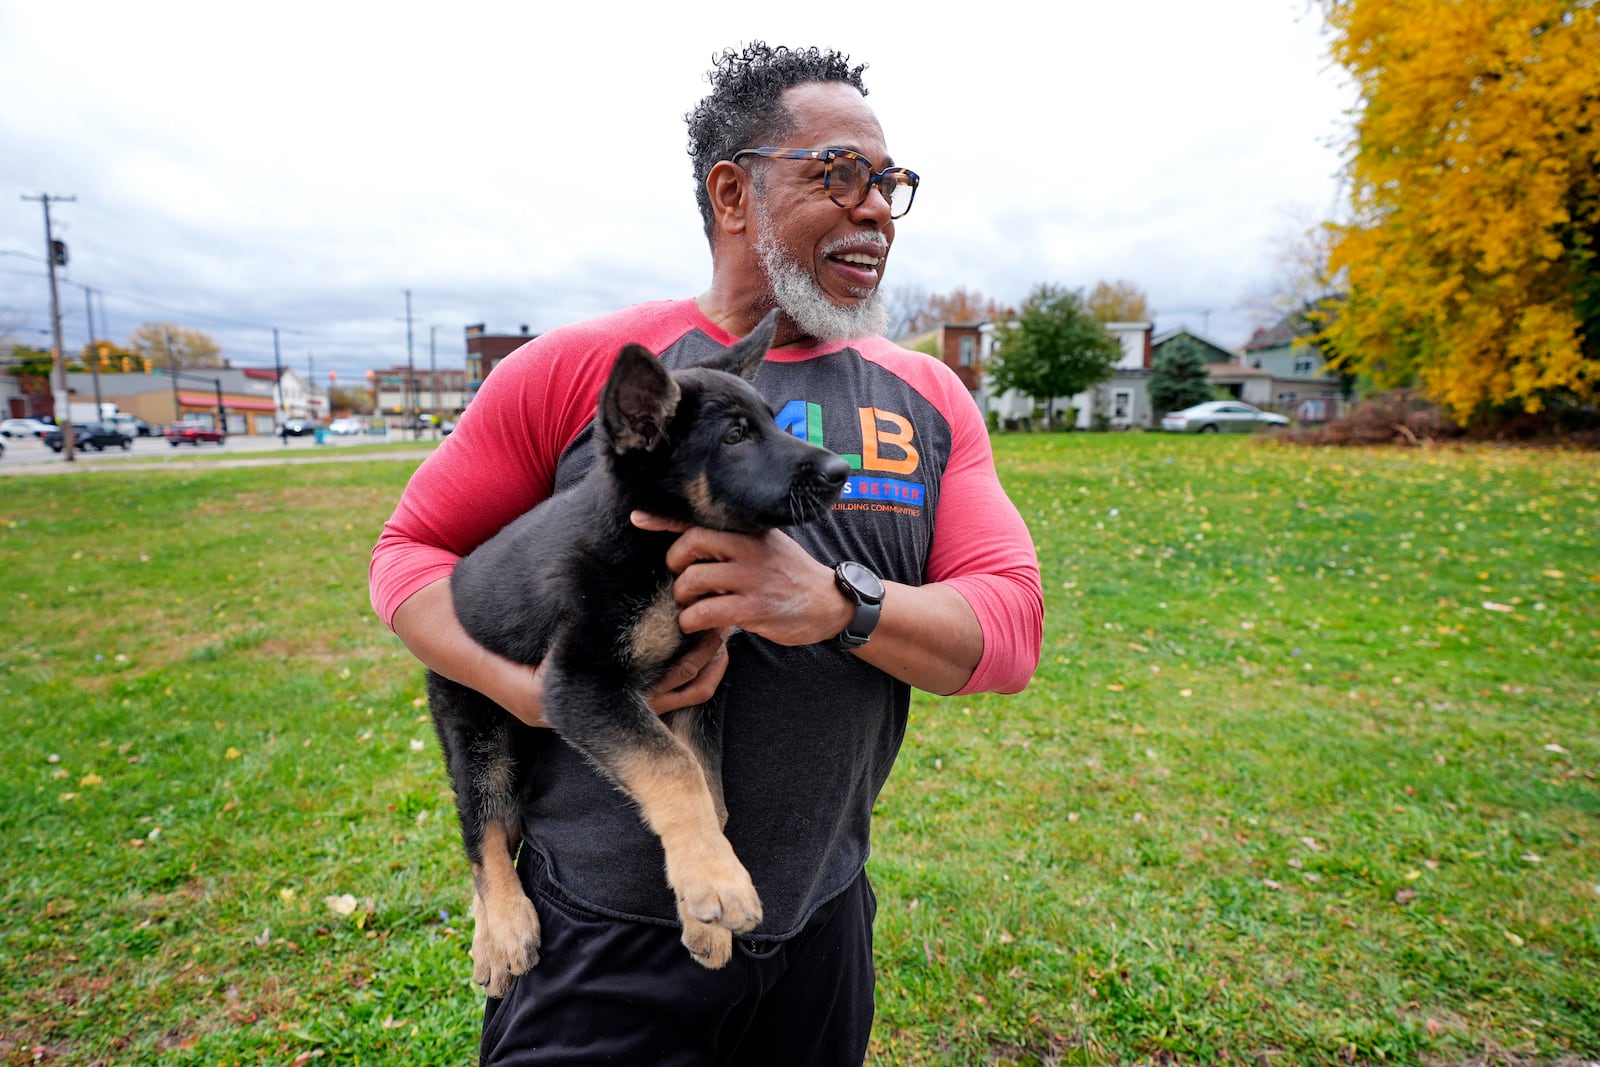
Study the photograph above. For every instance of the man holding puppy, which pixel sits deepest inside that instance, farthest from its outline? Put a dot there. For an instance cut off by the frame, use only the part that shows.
(922, 576)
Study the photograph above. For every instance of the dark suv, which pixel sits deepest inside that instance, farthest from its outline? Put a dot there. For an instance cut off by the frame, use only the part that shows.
(299, 427)
(95, 435)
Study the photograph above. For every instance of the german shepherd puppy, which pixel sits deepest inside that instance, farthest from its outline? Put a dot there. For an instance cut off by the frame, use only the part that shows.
(575, 585)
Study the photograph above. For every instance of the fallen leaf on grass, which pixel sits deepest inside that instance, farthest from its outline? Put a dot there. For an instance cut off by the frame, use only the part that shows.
(1405, 896)
(1514, 939)
(342, 904)
(1490, 605)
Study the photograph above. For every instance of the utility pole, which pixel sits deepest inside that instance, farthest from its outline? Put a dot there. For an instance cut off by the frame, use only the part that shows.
(94, 352)
(277, 394)
(411, 375)
(172, 364)
(433, 376)
(67, 444)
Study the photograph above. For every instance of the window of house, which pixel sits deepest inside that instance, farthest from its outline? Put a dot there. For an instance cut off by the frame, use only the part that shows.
(969, 351)
(1121, 404)
(1304, 364)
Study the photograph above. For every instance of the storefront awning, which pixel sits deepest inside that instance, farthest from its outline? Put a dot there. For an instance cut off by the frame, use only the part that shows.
(229, 403)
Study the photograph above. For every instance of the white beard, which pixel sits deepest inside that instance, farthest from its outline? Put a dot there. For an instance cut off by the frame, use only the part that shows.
(799, 297)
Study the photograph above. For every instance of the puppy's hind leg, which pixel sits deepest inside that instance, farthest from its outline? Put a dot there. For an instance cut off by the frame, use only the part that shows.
(505, 927)
(476, 737)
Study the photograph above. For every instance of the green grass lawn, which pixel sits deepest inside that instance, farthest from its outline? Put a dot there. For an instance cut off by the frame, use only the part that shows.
(1307, 774)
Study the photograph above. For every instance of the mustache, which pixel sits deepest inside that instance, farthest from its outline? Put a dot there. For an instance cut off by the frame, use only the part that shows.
(865, 237)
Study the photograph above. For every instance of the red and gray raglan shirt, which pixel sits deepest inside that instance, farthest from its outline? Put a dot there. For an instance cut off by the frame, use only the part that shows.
(810, 733)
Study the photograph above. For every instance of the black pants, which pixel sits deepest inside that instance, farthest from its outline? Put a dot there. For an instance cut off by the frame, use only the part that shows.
(611, 991)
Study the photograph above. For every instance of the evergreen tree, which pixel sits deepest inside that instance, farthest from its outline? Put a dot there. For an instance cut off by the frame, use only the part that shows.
(1178, 379)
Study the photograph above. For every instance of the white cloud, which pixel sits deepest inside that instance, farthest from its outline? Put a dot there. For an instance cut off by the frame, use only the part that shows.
(299, 165)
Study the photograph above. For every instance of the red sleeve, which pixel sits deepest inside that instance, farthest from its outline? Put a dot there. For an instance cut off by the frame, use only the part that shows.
(499, 462)
(981, 546)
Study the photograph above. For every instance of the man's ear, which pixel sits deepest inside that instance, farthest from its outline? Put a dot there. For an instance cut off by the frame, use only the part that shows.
(744, 357)
(638, 400)
(732, 197)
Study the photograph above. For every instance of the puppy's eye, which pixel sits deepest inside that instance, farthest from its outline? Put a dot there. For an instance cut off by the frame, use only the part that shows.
(735, 434)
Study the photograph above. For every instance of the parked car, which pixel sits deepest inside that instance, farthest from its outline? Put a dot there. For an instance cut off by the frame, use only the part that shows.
(23, 427)
(96, 435)
(299, 427)
(190, 432)
(348, 426)
(1214, 416)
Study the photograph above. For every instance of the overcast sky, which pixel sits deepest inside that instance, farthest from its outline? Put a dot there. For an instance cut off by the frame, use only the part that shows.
(239, 167)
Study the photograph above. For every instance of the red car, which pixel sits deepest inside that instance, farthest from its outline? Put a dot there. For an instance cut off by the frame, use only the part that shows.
(192, 433)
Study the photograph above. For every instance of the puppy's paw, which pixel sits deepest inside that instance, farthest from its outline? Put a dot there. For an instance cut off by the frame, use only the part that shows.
(505, 943)
(709, 944)
(717, 890)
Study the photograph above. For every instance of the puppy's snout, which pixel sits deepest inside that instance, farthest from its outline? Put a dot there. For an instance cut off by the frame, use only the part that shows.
(831, 471)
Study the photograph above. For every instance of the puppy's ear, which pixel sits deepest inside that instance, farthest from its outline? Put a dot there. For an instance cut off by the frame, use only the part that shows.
(744, 358)
(638, 400)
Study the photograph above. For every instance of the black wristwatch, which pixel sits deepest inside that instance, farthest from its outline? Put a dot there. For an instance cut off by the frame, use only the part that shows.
(866, 592)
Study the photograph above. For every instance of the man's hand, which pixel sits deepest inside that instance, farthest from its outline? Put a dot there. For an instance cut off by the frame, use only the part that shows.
(762, 583)
(927, 636)
(693, 676)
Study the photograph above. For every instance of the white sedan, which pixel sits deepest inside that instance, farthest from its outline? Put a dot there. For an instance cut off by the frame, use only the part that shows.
(1215, 416)
(23, 427)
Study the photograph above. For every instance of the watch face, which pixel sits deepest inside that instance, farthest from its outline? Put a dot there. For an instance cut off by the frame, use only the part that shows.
(864, 581)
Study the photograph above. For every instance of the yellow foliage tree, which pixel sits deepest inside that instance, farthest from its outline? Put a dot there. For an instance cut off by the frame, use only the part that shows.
(1469, 262)
(1119, 301)
(162, 344)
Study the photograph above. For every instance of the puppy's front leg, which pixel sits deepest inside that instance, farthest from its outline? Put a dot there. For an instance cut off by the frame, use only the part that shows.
(626, 740)
(697, 728)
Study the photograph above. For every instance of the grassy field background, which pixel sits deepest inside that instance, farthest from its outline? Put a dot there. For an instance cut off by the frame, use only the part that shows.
(1307, 774)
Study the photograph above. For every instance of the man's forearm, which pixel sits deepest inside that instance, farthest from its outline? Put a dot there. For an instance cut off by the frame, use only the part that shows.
(427, 625)
(927, 636)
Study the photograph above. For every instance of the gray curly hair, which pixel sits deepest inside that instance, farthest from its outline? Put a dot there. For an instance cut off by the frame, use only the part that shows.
(742, 109)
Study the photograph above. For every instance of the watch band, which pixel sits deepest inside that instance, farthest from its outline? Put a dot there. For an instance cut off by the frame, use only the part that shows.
(865, 589)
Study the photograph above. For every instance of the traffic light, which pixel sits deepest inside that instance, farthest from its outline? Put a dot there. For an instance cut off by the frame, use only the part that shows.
(58, 252)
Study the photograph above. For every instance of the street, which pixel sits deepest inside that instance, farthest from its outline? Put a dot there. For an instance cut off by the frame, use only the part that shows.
(29, 455)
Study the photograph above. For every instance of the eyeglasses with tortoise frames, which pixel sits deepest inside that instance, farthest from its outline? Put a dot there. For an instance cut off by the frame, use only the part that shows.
(848, 177)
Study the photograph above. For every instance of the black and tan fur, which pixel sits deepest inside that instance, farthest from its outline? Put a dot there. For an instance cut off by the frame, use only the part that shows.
(575, 585)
